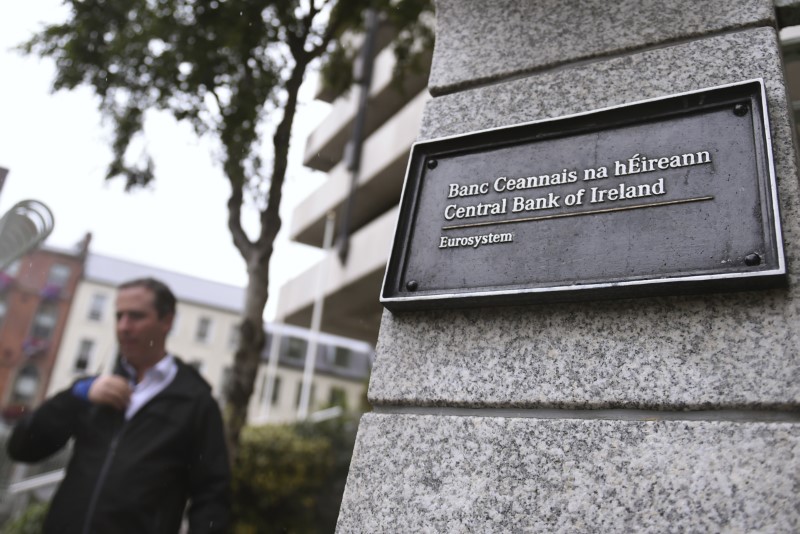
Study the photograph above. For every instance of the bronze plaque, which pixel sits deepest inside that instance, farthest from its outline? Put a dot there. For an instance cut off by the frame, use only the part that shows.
(657, 197)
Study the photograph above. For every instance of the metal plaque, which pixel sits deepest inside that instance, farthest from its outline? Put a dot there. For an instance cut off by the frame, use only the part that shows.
(670, 195)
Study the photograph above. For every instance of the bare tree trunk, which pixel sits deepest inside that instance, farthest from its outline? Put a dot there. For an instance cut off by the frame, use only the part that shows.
(248, 355)
(257, 255)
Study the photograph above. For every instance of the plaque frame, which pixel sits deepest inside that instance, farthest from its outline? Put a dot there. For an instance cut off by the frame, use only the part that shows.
(401, 293)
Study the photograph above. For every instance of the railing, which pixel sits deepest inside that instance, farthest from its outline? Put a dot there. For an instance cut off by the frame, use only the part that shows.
(22, 484)
(46, 480)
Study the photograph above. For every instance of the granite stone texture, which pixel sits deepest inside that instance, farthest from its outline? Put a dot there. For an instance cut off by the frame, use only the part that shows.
(481, 42)
(424, 464)
(723, 350)
(426, 474)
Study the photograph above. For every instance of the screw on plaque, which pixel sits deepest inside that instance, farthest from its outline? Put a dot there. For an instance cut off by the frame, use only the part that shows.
(751, 260)
(412, 285)
(740, 110)
(432, 163)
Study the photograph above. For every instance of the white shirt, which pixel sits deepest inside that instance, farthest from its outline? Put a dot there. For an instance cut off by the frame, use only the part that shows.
(152, 383)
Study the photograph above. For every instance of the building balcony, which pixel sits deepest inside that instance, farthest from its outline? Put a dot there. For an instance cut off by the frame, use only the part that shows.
(51, 292)
(384, 161)
(325, 146)
(352, 307)
(35, 346)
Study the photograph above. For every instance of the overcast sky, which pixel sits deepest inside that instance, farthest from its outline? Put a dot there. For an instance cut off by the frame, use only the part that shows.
(56, 149)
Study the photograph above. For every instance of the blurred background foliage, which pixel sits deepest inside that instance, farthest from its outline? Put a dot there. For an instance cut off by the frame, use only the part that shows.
(291, 478)
(31, 521)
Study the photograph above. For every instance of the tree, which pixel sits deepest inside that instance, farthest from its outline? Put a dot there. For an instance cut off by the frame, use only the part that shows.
(223, 66)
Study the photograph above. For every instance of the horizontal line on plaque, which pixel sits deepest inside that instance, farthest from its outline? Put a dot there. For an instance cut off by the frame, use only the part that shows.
(579, 213)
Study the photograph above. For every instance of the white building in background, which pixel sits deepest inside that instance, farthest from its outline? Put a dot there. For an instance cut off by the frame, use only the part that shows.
(341, 372)
(204, 334)
(351, 291)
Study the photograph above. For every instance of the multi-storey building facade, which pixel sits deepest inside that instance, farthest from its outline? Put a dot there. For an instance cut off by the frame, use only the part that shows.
(36, 294)
(351, 289)
(205, 335)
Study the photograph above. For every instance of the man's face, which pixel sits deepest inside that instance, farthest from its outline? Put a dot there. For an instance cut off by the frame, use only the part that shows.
(141, 334)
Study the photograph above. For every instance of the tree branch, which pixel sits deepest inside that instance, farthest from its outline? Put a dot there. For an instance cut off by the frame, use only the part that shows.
(330, 32)
(240, 239)
(270, 218)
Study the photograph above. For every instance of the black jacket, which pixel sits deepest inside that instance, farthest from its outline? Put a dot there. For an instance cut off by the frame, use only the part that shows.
(134, 476)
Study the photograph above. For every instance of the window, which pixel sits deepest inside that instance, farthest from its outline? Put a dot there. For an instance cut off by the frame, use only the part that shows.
(44, 322)
(338, 397)
(296, 347)
(341, 357)
(84, 355)
(203, 332)
(276, 386)
(97, 306)
(26, 385)
(276, 389)
(59, 275)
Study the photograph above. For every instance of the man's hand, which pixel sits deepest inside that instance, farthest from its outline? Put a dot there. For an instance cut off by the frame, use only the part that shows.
(111, 390)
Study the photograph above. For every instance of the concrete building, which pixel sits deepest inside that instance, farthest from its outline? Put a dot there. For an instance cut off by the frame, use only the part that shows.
(392, 122)
(205, 335)
(36, 294)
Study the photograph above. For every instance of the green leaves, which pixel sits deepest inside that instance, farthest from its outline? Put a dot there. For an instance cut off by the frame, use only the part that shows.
(411, 24)
(31, 521)
(223, 66)
(178, 56)
(291, 477)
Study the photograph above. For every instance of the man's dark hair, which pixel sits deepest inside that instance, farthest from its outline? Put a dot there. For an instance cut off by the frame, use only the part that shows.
(164, 298)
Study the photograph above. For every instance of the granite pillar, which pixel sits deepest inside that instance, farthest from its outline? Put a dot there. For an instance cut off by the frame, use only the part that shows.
(667, 414)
